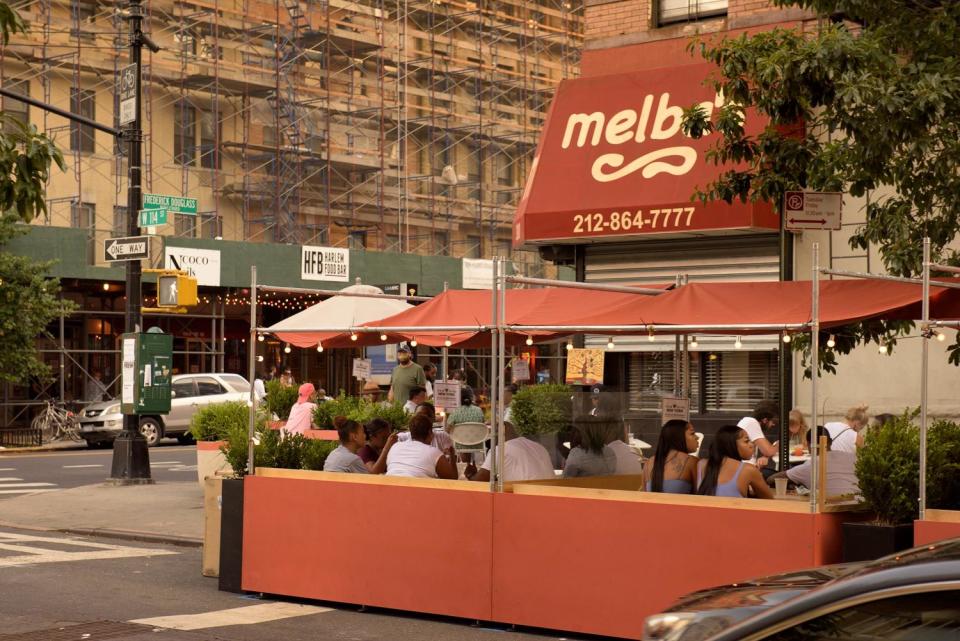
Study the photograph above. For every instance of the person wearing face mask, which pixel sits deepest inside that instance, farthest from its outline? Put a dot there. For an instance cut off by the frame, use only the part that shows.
(405, 376)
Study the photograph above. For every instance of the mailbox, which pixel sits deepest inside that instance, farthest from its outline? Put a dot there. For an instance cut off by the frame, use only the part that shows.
(147, 362)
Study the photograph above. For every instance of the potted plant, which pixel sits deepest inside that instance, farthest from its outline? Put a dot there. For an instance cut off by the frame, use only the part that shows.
(888, 471)
(279, 399)
(209, 428)
(539, 412)
(943, 466)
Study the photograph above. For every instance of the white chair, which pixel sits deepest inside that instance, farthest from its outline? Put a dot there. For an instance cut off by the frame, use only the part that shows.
(470, 438)
(699, 436)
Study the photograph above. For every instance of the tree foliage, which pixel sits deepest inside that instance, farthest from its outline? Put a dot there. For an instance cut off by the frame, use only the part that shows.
(868, 104)
(10, 23)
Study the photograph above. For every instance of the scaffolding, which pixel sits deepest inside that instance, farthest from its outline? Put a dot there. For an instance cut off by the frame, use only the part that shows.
(391, 125)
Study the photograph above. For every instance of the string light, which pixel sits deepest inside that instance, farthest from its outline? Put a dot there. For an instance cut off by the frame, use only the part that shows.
(787, 338)
(353, 337)
(650, 336)
(383, 337)
(259, 358)
(569, 346)
(319, 347)
(286, 349)
(447, 342)
(260, 337)
(737, 344)
(529, 341)
(883, 348)
(413, 343)
(610, 344)
(693, 342)
(941, 336)
(832, 341)
(106, 287)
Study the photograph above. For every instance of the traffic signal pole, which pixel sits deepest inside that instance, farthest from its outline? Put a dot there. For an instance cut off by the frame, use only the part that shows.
(131, 460)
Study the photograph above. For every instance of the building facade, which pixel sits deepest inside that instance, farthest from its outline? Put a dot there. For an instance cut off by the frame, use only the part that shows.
(609, 193)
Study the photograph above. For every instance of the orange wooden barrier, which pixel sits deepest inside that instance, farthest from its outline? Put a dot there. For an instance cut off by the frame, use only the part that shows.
(937, 526)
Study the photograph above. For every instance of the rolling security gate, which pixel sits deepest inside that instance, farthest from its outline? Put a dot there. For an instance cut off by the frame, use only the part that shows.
(723, 378)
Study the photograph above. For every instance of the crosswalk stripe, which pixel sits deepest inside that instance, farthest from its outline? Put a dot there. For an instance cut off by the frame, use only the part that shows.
(26, 554)
(29, 491)
(68, 467)
(8, 469)
(4, 479)
(235, 616)
(6, 485)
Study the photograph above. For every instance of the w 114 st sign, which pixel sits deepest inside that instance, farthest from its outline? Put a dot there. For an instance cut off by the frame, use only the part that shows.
(812, 210)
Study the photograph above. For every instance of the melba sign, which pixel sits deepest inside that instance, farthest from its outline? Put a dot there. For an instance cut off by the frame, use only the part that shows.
(613, 162)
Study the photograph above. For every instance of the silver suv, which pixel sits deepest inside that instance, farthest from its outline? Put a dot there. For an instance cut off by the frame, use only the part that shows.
(101, 422)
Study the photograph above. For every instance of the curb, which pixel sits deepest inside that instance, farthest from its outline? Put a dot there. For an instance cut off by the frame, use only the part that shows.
(34, 450)
(108, 533)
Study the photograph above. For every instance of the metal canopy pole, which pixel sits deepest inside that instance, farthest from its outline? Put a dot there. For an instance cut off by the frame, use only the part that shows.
(494, 337)
(924, 374)
(814, 373)
(898, 279)
(549, 282)
(501, 366)
(252, 368)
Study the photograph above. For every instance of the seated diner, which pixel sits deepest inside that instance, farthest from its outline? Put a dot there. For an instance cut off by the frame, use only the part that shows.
(415, 398)
(523, 460)
(672, 469)
(301, 414)
(380, 438)
(727, 471)
(440, 439)
(841, 477)
(344, 458)
(416, 457)
(845, 435)
(592, 457)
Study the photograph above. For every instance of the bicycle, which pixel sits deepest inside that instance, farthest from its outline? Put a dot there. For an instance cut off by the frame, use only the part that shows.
(56, 422)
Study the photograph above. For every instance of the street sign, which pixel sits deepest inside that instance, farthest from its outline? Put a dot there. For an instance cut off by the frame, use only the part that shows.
(128, 94)
(131, 248)
(812, 210)
(176, 204)
(152, 217)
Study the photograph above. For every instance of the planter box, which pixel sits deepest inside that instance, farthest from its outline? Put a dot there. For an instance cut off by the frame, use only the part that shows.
(868, 541)
(210, 460)
(936, 526)
(212, 498)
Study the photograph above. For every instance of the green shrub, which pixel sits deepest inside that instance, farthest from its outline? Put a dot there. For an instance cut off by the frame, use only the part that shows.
(943, 466)
(315, 453)
(358, 409)
(542, 409)
(212, 422)
(888, 470)
(280, 398)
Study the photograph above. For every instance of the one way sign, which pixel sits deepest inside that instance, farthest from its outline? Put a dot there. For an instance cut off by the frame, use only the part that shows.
(132, 248)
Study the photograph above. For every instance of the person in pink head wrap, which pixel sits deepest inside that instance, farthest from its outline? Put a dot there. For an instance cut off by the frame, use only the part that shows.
(301, 414)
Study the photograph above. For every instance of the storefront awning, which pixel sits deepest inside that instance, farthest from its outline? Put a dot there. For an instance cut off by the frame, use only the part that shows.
(613, 163)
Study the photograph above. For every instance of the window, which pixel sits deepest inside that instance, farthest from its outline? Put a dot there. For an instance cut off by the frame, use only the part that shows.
(184, 133)
(504, 247)
(19, 111)
(120, 222)
(237, 382)
(357, 240)
(185, 225)
(83, 14)
(183, 389)
(209, 387)
(83, 103)
(923, 616)
(84, 216)
(473, 247)
(210, 225)
(669, 11)
(441, 243)
(737, 381)
(209, 135)
(650, 377)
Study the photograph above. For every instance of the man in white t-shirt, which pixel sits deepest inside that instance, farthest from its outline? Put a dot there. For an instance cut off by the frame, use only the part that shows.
(841, 476)
(417, 396)
(523, 460)
(766, 416)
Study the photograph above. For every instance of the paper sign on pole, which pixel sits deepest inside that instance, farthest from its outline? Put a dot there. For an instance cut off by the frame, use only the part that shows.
(128, 373)
(520, 369)
(672, 408)
(362, 368)
(446, 395)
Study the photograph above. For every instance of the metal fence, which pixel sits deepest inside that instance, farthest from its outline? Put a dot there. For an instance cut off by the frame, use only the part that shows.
(20, 437)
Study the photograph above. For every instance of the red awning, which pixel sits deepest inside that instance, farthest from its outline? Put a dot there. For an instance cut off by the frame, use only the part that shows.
(612, 162)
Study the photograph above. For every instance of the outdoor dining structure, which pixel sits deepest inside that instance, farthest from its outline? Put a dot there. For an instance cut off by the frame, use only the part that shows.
(590, 555)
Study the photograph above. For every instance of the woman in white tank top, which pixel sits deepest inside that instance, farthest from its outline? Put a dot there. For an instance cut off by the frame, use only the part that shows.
(417, 458)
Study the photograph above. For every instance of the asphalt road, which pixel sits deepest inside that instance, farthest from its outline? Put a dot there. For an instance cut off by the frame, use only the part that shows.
(55, 586)
(57, 470)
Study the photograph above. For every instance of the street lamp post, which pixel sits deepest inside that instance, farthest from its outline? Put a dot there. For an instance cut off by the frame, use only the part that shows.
(131, 460)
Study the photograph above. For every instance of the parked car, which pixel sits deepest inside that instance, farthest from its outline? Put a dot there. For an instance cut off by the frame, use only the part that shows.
(909, 596)
(101, 422)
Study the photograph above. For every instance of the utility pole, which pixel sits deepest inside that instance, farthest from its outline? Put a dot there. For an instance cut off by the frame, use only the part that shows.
(131, 460)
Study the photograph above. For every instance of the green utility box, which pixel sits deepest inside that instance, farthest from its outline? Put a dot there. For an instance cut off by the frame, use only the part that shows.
(147, 360)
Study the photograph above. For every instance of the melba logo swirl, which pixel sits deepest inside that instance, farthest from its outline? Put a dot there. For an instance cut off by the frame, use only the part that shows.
(628, 126)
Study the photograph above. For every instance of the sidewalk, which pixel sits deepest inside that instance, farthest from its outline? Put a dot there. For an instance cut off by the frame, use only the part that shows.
(164, 512)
